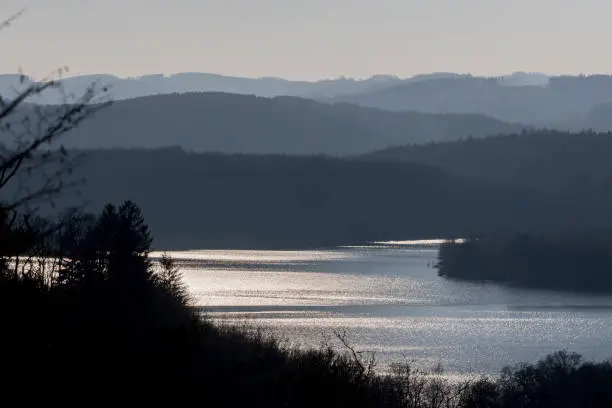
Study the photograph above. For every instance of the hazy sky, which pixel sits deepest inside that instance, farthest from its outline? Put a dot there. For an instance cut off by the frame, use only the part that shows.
(308, 39)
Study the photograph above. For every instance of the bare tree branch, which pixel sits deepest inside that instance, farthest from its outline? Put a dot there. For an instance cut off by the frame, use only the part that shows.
(39, 128)
(34, 166)
(6, 23)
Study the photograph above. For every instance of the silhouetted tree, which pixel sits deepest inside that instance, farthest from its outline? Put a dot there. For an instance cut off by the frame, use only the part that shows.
(123, 242)
(170, 279)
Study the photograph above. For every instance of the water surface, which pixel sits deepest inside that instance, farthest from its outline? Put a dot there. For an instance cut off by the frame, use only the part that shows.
(390, 300)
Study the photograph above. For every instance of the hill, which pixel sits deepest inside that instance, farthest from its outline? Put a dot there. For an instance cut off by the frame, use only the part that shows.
(261, 201)
(220, 122)
(549, 160)
(565, 101)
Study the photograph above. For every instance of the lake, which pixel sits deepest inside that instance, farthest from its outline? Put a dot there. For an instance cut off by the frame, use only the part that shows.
(390, 300)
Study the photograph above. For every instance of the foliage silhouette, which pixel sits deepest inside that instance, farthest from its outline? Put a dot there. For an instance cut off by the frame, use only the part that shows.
(108, 317)
(576, 260)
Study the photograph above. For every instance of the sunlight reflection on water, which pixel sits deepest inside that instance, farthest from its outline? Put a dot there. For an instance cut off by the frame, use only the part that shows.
(390, 300)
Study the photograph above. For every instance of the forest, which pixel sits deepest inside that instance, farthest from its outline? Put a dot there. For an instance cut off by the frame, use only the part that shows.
(198, 200)
(546, 159)
(577, 261)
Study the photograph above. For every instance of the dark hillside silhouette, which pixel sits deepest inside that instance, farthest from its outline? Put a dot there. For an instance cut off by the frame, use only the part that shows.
(575, 261)
(217, 122)
(549, 160)
(212, 200)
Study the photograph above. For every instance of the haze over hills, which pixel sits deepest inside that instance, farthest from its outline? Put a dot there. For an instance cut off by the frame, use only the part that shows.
(230, 123)
(565, 101)
(127, 88)
(599, 118)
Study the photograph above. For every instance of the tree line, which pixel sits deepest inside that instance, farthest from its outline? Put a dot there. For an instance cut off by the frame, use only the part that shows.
(578, 261)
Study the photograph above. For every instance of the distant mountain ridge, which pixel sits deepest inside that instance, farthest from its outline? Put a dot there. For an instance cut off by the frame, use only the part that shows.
(155, 84)
(564, 102)
(133, 87)
(535, 99)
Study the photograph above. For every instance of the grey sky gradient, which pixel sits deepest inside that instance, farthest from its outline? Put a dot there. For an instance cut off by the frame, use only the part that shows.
(308, 39)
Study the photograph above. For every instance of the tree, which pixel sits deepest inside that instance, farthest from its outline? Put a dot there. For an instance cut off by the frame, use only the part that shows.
(170, 279)
(113, 247)
(126, 241)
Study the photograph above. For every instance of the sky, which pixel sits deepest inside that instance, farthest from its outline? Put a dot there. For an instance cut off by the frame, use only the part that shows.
(307, 39)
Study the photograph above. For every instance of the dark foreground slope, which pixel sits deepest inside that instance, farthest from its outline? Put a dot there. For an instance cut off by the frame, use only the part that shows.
(206, 200)
(106, 322)
(229, 123)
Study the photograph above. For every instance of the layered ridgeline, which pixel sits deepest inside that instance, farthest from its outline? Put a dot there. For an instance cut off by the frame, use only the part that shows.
(529, 182)
(197, 200)
(567, 102)
(155, 84)
(563, 101)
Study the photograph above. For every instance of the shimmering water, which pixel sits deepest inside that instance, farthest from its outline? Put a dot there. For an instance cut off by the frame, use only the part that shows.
(391, 301)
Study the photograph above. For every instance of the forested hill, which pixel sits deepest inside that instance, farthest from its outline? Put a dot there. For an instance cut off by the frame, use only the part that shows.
(212, 200)
(576, 163)
(229, 123)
